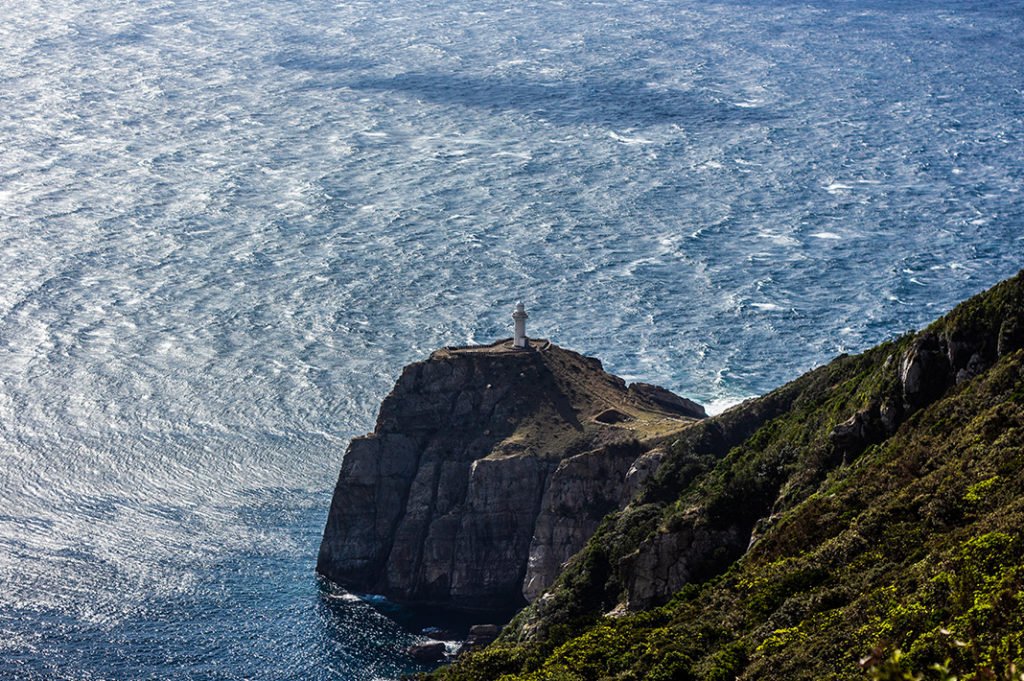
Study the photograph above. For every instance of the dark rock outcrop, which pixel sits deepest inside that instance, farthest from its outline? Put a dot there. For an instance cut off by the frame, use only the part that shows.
(427, 652)
(486, 470)
(667, 400)
(1011, 336)
(937, 359)
(669, 560)
(583, 490)
(925, 368)
(954, 352)
(481, 635)
(851, 437)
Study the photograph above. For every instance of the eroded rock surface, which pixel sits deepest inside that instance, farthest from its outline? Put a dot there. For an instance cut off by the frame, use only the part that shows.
(671, 559)
(583, 490)
(486, 470)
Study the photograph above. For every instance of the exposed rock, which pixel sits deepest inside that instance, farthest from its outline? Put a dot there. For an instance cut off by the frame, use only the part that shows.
(620, 610)
(482, 634)
(444, 501)
(496, 528)
(890, 415)
(934, 362)
(852, 437)
(484, 630)
(670, 559)
(426, 652)
(377, 473)
(975, 366)
(1011, 336)
(925, 369)
(583, 490)
(761, 528)
(479, 635)
(667, 400)
(639, 472)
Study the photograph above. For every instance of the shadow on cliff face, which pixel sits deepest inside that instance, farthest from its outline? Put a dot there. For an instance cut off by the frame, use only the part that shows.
(385, 633)
(727, 481)
(456, 493)
(440, 623)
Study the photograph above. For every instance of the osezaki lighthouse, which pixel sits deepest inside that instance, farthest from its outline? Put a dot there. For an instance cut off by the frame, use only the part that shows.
(519, 317)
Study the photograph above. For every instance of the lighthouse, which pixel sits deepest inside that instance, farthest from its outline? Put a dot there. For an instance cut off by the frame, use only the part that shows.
(519, 317)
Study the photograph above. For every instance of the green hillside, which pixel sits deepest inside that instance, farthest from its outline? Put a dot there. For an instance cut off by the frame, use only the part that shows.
(874, 504)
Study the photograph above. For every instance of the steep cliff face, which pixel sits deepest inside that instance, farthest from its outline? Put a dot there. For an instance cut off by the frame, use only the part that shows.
(487, 469)
(874, 501)
(583, 489)
(955, 349)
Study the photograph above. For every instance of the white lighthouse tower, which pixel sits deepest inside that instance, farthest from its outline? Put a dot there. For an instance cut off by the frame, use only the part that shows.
(519, 317)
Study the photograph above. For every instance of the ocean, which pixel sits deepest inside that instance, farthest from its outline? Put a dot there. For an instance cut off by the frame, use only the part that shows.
(226, 226)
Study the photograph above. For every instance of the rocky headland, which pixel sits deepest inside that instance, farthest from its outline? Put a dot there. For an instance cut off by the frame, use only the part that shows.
(863, 520)
(488, 468)
(870, 506)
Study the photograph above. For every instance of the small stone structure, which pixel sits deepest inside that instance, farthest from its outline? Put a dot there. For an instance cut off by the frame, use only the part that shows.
(519, 317)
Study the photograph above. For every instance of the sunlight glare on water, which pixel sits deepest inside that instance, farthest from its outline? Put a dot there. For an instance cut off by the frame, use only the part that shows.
(225, 227)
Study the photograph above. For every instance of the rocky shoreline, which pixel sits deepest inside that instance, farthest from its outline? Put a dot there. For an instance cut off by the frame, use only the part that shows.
(488, 468)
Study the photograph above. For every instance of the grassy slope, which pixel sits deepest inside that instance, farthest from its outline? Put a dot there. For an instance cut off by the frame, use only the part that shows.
(567, 395)
(919, 535)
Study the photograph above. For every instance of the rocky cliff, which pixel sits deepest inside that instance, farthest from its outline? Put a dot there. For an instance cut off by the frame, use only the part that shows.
(487, 469)
(872, 506)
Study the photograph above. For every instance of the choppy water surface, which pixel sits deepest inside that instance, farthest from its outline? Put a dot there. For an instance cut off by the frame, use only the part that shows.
(225, 226)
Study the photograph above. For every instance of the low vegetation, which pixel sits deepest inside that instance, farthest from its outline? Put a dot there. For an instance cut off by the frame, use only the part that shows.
(896, 553)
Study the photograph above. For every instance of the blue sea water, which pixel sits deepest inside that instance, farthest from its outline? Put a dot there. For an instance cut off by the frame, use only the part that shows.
(226, 226)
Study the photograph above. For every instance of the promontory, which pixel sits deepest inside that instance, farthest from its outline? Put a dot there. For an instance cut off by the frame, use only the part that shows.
(488, 468)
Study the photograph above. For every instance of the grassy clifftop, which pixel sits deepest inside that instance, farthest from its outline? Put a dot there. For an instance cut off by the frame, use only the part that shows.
(877, 501)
